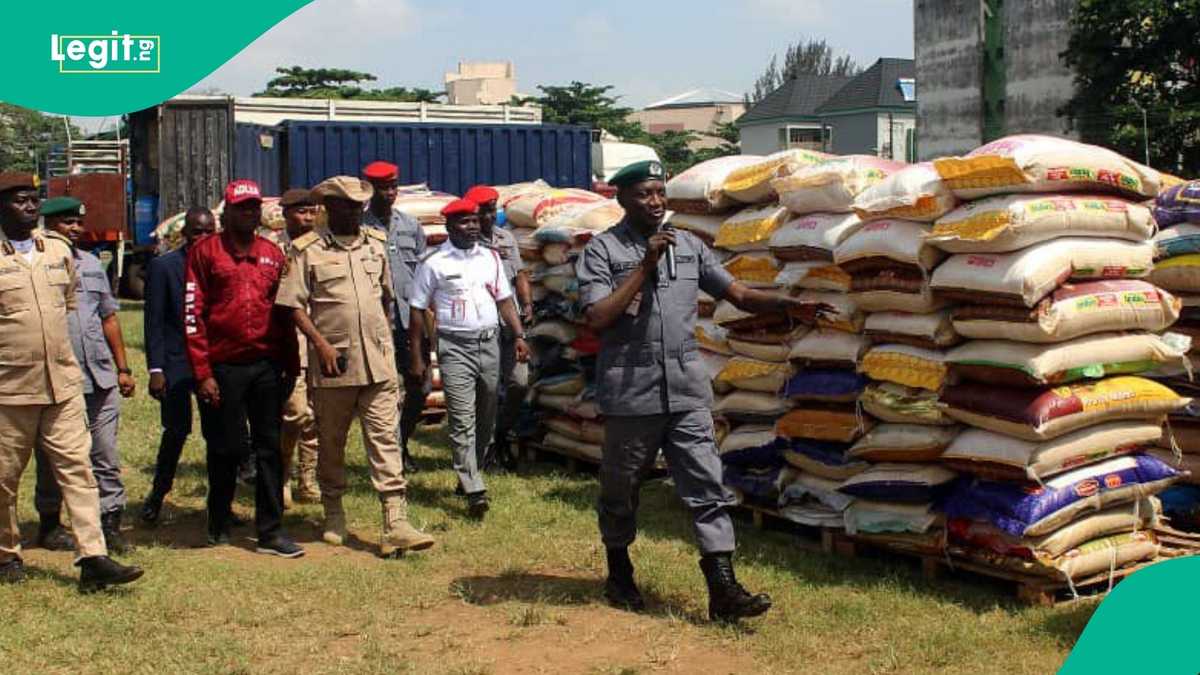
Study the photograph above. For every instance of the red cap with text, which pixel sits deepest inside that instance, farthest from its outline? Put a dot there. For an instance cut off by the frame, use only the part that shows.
(239, 191)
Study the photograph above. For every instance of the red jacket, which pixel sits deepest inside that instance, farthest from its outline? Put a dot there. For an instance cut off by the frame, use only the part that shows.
(229, 310)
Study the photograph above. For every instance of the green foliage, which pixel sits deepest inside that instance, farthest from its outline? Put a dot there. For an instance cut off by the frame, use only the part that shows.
(1132, 56)
(730, 139)
(586, 105)
(27, 135)
(806, 57)
(339, 83)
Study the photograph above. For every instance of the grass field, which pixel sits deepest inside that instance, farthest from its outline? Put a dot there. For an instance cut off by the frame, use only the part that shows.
(518, 593)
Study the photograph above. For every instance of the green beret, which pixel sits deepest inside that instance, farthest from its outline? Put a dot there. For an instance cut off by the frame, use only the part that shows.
(59, 206)
(638, 172)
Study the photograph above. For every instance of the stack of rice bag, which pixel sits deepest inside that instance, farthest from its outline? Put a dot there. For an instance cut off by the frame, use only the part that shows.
(1049, 255)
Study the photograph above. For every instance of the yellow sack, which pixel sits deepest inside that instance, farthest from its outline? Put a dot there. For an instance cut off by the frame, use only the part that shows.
(750, 229)
(909, 366)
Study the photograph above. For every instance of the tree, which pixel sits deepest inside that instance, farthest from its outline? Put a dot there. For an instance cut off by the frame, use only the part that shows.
(730, 138)
(807, 57)
(585, 105)
(26, 137)
(1135, 56)
(339, 83)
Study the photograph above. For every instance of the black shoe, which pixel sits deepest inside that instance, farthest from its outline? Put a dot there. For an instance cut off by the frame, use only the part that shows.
(110, 526)
(409, 465)
(477, 505)
(51, 535)
(151, 509)
(727, 599)
(281, 546)
(100, 571)
(248, 472)
(234, 521)
(503, 455)
(12, 572)
(218, 538)
(619, 589)
(458, 490)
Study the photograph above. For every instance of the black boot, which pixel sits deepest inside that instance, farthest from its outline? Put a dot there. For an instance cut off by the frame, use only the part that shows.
(619, 589)
(151, 509)
(12, 572)
(406, 459)
(51, 535)
(478, 504)
(727, 599)
(110, 526)
(100, 571)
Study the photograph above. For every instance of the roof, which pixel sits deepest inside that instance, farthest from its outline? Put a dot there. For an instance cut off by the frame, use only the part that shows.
(798, 97)
(705, 96)
(875, 87)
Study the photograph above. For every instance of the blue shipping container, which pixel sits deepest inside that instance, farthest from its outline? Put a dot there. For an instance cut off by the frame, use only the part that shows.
(258, 156)
(447, 157)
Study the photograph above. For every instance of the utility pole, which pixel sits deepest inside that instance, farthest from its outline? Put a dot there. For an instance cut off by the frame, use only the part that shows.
(1145, 128)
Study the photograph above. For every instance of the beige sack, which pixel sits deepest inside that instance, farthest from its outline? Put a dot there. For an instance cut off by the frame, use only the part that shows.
(996, 456)
(901, 241)
(698, 190)
(832, 185)
(903, 443)
(704, 226)
(814, 276)
(829, 348)
(929, 330)
(813, 236)
(751, 184)
(913, 193)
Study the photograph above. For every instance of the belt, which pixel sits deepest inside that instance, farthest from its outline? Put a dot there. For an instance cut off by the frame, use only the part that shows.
(470, 335)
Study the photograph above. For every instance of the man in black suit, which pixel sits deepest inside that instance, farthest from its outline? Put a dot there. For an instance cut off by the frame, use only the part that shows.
(166, 358)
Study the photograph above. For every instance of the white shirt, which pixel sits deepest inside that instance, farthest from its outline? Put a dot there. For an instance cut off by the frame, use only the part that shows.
(24, 247)
(462, 287)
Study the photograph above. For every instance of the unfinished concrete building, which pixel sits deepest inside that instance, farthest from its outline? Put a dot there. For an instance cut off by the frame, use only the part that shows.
(989, 68)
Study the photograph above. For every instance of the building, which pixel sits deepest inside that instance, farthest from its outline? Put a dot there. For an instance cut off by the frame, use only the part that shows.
(872, 113)
(481, 83)
(699, 110)
(988, 69)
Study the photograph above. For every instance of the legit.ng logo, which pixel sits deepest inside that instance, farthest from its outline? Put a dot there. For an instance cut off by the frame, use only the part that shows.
(113, 53)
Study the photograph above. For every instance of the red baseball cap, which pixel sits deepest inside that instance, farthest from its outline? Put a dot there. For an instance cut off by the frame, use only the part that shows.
(239, 191)
(482, 194)
(381, 171)
(460, 207)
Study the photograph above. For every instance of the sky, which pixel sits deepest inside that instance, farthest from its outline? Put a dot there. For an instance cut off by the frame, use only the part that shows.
(648, 51)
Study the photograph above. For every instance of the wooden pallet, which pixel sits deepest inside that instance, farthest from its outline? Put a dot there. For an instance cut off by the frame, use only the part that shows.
(577, 462)
(809, 537)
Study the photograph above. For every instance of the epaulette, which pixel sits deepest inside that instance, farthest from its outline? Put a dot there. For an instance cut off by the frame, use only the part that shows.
(375, 233)
(52, 235)
(305, 240)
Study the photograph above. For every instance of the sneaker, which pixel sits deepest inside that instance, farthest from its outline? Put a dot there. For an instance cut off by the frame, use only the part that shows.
(281, 546)
(151, 510)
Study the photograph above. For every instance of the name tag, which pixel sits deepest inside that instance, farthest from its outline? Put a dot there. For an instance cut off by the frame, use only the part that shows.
(626, 266)
(452, 277)
(685, 258)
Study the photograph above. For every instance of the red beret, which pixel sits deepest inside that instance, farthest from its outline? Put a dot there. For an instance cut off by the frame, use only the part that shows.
(482, 194)
(460, 207)
(381, 171)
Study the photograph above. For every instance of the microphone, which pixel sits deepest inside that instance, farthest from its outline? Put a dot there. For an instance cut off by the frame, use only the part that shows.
(672, 270)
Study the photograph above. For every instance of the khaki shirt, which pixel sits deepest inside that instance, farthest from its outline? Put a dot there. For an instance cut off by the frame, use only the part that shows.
(344, 289)
(281, 239)
(37, 363)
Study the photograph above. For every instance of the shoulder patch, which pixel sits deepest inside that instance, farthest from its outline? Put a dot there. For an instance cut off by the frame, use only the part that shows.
(304, 241)
(56, 239)
(375, 233)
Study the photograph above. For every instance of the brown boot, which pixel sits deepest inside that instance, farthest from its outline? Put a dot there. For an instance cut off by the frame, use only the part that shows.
(287, 496)
(307, 491)
(334, 529)
(398, 534)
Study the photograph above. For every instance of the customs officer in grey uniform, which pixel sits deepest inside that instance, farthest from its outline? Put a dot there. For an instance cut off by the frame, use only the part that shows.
(99, 348)
(652, 386)
(514, 375)
(405, 248)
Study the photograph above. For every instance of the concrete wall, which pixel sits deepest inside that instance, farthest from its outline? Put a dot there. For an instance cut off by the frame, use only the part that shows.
(853, 134)
(897, 135)
(1035, 32)
(699, 119)
(949, 53)
(760, 139)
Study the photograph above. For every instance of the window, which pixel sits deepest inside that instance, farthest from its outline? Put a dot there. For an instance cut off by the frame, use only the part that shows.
(805, 138)
(908, 88)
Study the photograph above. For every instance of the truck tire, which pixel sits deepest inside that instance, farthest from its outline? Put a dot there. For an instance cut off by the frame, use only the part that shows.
(133, 281)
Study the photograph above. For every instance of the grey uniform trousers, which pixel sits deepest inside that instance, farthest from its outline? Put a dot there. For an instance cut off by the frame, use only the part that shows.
(103, 414)
(470, 367)
(514, 382)
(631, 445)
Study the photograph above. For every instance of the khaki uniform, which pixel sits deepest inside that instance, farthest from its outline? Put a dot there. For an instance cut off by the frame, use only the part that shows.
(344, 289)
(41, 389)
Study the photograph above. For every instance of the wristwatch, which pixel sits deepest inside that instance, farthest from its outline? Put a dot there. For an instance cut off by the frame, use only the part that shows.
(519, 336)
(124, 371)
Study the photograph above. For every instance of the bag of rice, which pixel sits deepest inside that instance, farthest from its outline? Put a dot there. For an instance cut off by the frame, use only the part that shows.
(731, 318)
(994, 456)
(1181, 273)
(1187, 465)
(823, 422)
(765, 345)
(813, 276)
(827, 460)
(760, 483)
(904, 443)
(755, 268)
(1036, 510)
(1011, 222)
(872, 517)
(561, 424)
(845, 315)
(915, 192)
(1041, 414)
(1177, 241)
(812, 237)
(698, 189)
(751, 184)
(751, 403)
(905, 365)
(880, 244)
(928, 331)
(832, 185)
(753, 375)
(705, 227)
(1024, 277)
(1072, 311)
(828, 349)
(894, 291)
(590, 451)
(829, 385)
(712, 337)
(1017, 364)
(1178, 204)
(748, 436)
(1115, 520)
(750, 229)
(899, 483)
(813, 501)
(898, 404)
(533, 209)
(1031, 163)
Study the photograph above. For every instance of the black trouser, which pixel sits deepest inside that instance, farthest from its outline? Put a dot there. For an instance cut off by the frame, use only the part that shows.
(176, 412)
(415, 391)
(253, 393)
